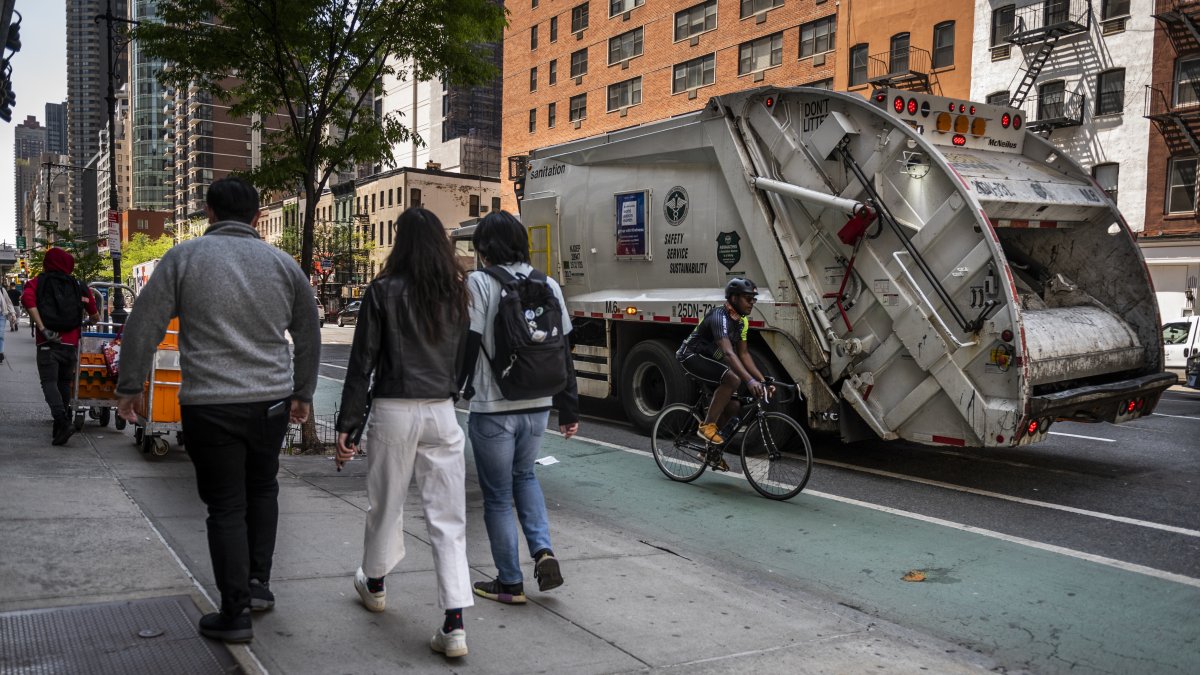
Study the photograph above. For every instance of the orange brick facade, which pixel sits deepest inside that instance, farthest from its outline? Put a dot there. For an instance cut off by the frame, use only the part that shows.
(862, 21)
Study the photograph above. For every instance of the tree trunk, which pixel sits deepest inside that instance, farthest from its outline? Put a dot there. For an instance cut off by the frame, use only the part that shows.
(310, 441)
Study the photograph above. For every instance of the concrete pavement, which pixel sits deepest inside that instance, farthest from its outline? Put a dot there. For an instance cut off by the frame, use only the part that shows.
(95, 522)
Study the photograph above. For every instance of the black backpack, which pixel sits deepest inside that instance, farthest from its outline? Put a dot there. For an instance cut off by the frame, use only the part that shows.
(530, 359)
(60, 301)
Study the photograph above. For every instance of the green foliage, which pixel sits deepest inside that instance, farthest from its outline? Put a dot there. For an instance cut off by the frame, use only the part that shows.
(142, 249)
(90, 265)
(309, 70)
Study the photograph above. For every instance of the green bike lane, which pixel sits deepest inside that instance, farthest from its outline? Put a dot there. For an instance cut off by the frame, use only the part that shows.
(1026, 607)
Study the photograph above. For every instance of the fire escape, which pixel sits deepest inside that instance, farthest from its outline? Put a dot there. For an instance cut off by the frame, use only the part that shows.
(901, 67)
(1174, 106)
(1037, 29)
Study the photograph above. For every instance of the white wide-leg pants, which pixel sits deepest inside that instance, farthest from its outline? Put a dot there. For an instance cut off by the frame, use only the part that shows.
(421, 438)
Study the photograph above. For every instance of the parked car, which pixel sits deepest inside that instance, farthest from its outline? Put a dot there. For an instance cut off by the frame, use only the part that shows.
(320, 312)
(349, 315)
(1181, 340)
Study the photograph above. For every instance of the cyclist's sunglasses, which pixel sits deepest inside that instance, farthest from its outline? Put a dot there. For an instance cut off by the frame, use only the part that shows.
(752, 297)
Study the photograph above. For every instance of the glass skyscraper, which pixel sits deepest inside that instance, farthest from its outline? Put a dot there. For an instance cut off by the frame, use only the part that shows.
(147, 109)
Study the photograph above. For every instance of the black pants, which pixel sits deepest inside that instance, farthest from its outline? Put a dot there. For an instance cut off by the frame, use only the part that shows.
(235, 449)
(56, 369)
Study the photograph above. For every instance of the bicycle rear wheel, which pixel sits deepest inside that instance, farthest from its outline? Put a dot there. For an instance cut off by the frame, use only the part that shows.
(776, 456)
(678, 451)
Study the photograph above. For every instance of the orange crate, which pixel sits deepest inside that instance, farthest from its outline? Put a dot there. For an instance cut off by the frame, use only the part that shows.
(166, 392)
(171, 339)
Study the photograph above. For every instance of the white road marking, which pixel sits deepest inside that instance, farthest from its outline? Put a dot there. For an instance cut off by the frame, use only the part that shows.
(1086, 438)
(1021, 541)
(1020, 500)
(331, 379)
(331, 365)
(1181, 417)
(1101, 560)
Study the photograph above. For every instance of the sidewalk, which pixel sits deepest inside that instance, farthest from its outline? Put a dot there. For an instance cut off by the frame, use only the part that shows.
(93, 522)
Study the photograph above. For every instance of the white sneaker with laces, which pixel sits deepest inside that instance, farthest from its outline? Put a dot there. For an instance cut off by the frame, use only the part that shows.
(374, 602)
(452, 644)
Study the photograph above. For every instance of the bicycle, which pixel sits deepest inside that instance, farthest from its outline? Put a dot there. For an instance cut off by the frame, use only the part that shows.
(776, 455)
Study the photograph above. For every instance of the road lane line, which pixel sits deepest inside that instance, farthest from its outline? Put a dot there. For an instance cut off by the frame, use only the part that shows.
(1020, 500)
(1101, 560)
(1176, 416)
(331, 379)
(1086, 438)
(331, 365)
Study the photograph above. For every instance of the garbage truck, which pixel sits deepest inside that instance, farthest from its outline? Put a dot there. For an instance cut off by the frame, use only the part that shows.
(928, 268)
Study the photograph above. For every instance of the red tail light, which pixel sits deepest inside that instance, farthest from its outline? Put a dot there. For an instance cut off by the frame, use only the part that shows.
(1131, 406)
(959, 140)
(1005, 120)
(1033, 427)
(912, 106)
(898, 104)
(1016, 121)
(1141, 403)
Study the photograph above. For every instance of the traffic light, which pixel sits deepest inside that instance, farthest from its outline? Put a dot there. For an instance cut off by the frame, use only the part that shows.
(10, 40)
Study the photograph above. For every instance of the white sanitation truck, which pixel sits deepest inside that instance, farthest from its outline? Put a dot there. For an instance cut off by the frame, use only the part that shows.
(928, 269)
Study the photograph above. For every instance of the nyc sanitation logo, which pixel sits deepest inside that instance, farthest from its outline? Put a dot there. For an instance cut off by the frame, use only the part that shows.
(675, 206)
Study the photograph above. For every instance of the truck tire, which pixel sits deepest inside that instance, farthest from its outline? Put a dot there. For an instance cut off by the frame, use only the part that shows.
(651, 379)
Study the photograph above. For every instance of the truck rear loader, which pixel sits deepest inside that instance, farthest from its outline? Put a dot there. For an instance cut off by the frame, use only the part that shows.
(928, 268)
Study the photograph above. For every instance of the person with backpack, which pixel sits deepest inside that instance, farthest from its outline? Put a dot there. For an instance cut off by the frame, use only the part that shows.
(519, 323)
(57, 302)
(403, 367)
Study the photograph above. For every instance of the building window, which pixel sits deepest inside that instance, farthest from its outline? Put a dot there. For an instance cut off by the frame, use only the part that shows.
(1181, 185)
(695, 20)
(624, 94)
(554, 29)
(579, 17)
(579, 63)
(1187, 81)
(1106, 177)
(943, 44)
(816, 37)
(1052, 100)
(533, 38)
(552, 76)
(752, 7)
(532, 120)
(473, 206)
(1003, 20)
(998, 98)
(578, 108)
(389, 197)
(1110, 9)
(535, 4)
(551, 115)
(826, 83)
(898, 55)
(1110, 92)
(625, 46)
(760, 54)
(616, 7)
(858, 64)
(533, 79)
(695, 73)
(414, 197)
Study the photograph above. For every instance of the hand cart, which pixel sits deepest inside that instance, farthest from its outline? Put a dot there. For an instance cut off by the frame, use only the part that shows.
(157, 410)
(94, 389)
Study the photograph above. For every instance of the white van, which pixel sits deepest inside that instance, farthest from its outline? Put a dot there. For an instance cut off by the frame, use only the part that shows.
(1181, 339)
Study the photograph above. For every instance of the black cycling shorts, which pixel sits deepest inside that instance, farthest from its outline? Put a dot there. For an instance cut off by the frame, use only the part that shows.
(703, 368)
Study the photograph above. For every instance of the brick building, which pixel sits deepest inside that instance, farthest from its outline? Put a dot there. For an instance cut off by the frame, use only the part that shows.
(576, 69)
(1171, 239)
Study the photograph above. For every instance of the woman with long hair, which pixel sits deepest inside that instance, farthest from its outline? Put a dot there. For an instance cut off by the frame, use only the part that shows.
(406, 352)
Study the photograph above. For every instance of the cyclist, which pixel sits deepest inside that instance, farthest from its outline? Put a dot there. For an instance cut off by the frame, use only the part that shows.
(716, 352)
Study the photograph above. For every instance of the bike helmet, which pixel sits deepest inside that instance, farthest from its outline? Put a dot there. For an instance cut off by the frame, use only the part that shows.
(739, 285)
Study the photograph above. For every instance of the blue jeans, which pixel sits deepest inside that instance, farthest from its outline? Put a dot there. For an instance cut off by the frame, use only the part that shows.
(505, 447)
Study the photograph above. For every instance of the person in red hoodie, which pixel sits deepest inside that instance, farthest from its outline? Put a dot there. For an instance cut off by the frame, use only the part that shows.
(56, 358)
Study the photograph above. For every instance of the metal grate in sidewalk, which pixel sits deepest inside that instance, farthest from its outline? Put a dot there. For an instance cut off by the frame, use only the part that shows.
(155, 635)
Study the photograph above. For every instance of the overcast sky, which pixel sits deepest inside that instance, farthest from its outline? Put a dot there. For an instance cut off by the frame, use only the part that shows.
(39, 73)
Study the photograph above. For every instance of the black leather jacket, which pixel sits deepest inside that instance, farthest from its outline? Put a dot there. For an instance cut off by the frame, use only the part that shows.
(389, 344)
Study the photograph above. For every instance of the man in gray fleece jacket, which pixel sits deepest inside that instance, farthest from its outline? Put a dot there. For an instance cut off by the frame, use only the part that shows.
(235, 296)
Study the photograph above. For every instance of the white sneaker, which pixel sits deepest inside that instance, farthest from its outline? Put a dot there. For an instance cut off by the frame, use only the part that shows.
(374, 602)
(452, 644)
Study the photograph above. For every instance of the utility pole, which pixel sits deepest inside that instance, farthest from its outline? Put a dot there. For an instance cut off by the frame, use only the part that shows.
(118, 313)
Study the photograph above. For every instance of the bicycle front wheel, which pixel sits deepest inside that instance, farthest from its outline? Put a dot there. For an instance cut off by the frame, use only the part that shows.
(776, 456)
(678, 451)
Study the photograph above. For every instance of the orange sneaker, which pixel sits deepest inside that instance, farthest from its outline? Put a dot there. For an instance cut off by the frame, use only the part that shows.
(709, 433)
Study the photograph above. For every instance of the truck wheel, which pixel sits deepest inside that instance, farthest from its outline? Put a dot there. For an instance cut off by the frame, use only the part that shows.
(652, 379)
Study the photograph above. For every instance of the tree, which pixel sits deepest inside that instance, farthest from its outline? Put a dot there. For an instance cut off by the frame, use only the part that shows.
(142, 249)
(90, 265)
(315, 66)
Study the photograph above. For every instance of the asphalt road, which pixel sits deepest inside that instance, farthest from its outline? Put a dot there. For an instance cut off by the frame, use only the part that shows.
(1080, 553)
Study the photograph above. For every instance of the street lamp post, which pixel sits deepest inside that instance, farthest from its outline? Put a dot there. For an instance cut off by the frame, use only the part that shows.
(118, 313)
